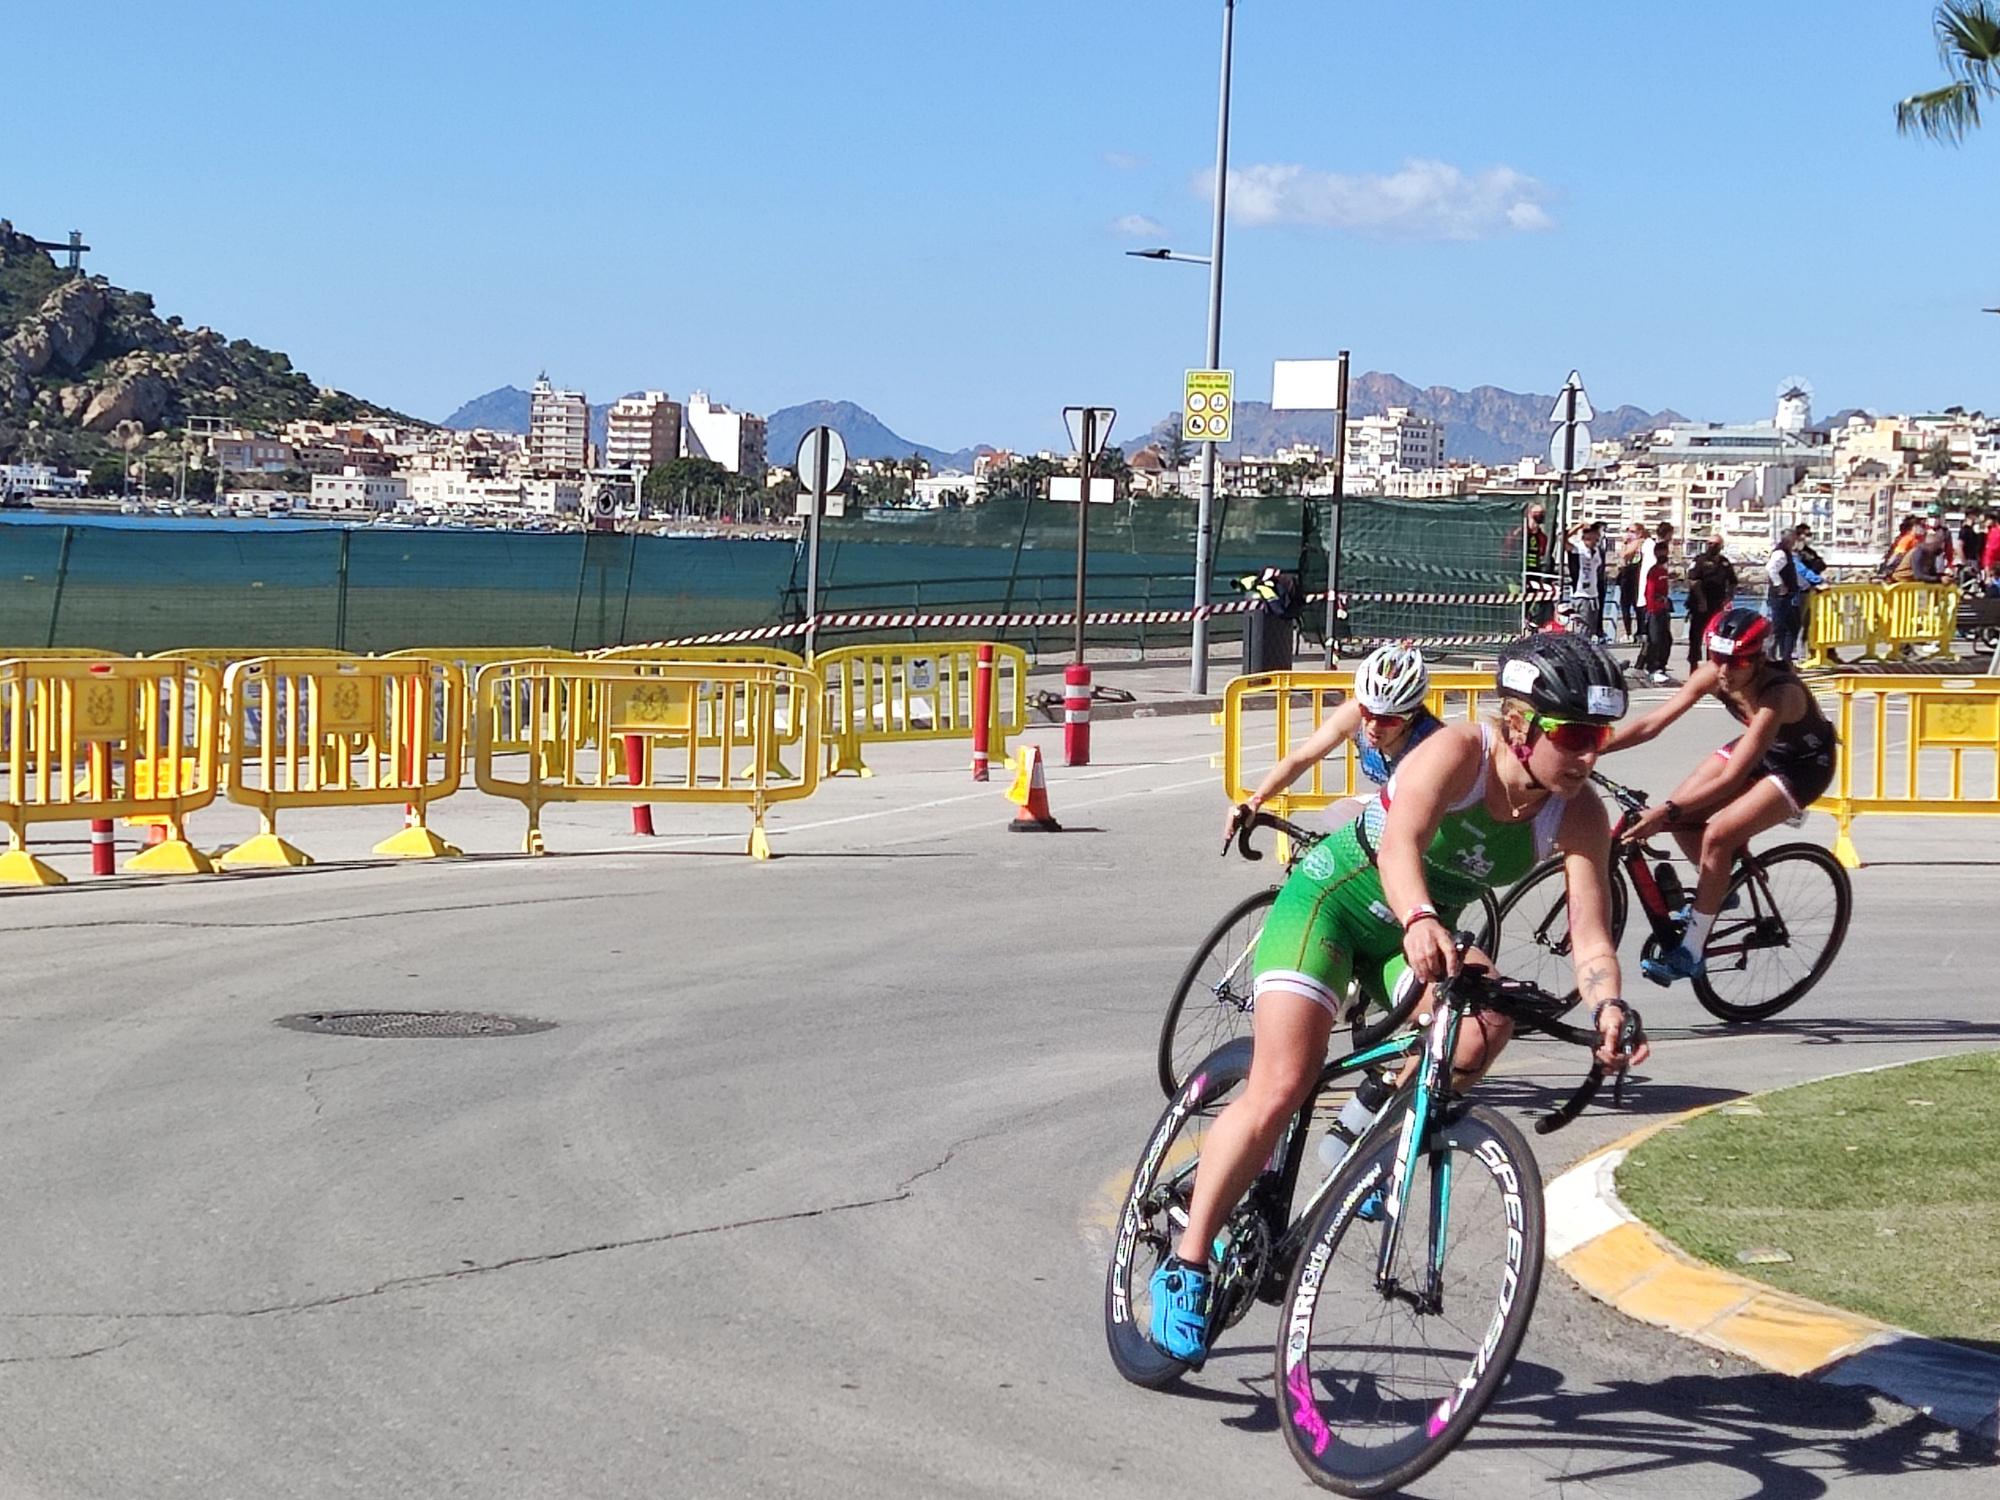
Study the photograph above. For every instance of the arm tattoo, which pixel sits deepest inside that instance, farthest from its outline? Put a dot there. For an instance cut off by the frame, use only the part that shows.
(1598, 980)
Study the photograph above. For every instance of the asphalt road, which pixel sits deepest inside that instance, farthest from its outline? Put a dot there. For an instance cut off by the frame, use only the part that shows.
(806, 1193)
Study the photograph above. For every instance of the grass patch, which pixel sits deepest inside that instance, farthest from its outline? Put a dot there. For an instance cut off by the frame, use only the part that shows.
(1882, 1188)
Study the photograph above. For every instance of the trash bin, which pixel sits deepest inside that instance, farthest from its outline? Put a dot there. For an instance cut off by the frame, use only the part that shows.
(1267, 642)
(1267, 632)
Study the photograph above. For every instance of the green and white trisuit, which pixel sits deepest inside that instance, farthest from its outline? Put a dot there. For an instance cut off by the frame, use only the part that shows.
(1331, 924)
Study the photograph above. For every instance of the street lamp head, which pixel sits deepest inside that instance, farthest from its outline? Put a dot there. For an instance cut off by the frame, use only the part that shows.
(1160, 254)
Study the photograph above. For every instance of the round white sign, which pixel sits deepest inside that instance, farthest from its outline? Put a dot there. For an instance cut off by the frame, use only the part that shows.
(808, 459)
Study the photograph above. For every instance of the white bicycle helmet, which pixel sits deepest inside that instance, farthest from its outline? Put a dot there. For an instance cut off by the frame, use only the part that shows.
(1392, 680)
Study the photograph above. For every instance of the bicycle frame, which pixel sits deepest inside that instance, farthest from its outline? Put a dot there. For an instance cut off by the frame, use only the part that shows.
(1763, 927)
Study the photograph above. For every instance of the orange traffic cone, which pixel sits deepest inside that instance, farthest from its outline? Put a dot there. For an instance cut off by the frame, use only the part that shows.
(1031, 794)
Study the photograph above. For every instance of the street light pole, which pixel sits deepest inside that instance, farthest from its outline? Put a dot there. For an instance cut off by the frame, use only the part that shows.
(1204, 542)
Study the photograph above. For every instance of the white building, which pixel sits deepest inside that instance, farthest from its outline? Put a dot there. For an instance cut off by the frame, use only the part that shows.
(38, 479)
(550, 495)
(1398, 441)
(642, 432)
(733, 439)
(558, 430)
(353, 490)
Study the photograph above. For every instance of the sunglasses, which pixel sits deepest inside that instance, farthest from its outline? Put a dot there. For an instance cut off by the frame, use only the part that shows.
(1385, 721)
(1577, 736)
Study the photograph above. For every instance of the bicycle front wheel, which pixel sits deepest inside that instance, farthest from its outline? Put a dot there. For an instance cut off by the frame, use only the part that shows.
(1788, 921)
(1211, 1004)
(1378, 1379)
(1534, 928)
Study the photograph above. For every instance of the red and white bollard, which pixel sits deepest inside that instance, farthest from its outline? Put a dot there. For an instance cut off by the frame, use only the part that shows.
(1076, 714)
(982, 711)
(103, 857)
(642, 812)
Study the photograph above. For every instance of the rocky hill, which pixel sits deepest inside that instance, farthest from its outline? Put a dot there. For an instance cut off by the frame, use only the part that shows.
(89, 369)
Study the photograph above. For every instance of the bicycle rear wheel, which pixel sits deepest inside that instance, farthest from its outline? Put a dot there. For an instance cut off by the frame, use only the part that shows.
(1375, 1386)
(1212, 1001)
(1155, 1211)
(1534, 928)
(1789, 920)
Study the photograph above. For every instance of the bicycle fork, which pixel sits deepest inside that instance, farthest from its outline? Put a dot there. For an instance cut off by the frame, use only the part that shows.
(1433, 1083)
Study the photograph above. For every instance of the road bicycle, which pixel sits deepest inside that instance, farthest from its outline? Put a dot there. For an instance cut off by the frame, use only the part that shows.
(1783, 918)
(1213, 1000)
(1405, 1281)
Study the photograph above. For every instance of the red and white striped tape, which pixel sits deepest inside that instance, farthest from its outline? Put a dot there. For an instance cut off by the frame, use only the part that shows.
(913, 620)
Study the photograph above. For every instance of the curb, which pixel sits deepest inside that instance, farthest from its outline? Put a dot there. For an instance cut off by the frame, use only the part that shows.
(1623, 1263)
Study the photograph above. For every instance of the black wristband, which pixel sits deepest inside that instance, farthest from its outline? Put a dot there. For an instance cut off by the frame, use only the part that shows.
(1673, 811)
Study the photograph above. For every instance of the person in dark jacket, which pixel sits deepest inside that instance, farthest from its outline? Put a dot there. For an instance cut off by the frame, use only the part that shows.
(1710, 589)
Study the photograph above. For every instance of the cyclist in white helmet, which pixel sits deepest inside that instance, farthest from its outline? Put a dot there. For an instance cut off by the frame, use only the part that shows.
(1386, 718)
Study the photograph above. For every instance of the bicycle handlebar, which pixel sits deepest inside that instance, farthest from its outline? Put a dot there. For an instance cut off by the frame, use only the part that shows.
(1535, 1009)
(1629, 798)
(1261, 819)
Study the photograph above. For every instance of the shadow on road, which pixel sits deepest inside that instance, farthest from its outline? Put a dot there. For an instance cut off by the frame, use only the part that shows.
(1793, 1439)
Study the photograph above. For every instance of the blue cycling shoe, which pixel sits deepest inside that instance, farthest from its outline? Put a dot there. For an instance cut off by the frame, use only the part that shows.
(1677, 964)
(1180, 1310)
(1370, 1211)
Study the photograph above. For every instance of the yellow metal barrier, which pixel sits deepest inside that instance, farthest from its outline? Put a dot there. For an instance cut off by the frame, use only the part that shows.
(101, 739)
(916, 692)
(343, 732)
(1904, 744)
(578, 711)
(1879, 618)
(791, 718)
(1296, 704)
(512, 734)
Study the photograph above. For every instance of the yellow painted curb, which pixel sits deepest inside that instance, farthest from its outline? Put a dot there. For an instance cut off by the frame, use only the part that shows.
(1648, 1278)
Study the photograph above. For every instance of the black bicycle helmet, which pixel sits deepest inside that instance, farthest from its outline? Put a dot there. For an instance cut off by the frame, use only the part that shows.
(1564, 675)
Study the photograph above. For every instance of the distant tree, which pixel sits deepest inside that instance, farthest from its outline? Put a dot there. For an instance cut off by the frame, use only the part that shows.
(1176, 450)
(685, 485)
(1937, 459)
(107, 476)
(1968, 42)
(201, 484)
(1112, 464)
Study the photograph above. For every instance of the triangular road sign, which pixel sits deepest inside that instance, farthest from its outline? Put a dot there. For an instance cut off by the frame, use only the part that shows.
(1583, 411)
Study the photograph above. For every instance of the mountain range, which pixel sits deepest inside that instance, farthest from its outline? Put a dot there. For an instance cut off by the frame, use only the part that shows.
(1484, 425)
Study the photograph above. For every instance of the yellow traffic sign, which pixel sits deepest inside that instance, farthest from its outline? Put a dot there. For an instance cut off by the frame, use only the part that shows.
(1209, 407)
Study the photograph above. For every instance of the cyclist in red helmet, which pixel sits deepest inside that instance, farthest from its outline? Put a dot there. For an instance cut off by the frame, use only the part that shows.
(1770, 774)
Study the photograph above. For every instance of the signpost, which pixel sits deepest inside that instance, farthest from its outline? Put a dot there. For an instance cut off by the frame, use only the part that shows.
(822, 468)
(1321, 385)
(1090, 429)
(1572, 413)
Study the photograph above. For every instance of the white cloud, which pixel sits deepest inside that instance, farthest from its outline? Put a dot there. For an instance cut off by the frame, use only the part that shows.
(1139, 227)
(1423, 200)
(1124, 161)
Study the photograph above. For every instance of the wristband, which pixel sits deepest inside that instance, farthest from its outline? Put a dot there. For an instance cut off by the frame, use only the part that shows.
(1597, 1015)
(1418, 913)
(1673, 811)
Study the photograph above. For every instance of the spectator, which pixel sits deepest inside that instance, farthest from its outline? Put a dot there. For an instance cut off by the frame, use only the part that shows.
(1811, 566)
(1927, 560)
(1535, 558)
(1989, 560)
(1586, 578)
(1648, 557)
(1628, 579)
(1909, 531)
(1781, 575)
(1659, 618)
(1711, 587)
(1972, 537)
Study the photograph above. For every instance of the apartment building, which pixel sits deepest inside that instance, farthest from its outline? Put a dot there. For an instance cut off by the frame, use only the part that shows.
(353, 490)
(731, 438)
(1396, 441)
(642, 432)
(558, 430)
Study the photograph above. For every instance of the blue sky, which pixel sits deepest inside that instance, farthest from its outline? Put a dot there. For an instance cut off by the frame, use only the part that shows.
(917, 204)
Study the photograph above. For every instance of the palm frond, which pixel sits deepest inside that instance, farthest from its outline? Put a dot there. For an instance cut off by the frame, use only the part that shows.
(1945, 114)
(1968, 39)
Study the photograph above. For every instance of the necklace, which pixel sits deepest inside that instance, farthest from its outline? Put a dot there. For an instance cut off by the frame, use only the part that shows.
(1516, 808)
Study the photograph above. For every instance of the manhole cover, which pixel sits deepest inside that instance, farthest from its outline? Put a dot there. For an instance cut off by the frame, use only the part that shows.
(412, 1023)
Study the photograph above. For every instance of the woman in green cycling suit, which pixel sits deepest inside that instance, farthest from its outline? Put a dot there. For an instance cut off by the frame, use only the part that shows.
(1474, 808)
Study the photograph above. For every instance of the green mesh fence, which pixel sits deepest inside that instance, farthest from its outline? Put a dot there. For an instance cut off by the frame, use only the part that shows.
(1469, 546)
(139, 587)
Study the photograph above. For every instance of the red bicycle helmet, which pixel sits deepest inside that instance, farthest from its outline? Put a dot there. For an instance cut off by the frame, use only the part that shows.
(1739, 635)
